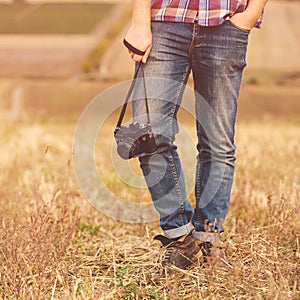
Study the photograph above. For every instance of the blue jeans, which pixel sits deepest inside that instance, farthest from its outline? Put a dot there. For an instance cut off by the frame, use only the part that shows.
(216, 58)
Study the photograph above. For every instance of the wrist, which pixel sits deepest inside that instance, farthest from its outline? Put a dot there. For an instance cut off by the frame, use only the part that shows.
(141, 19)
(252, 13)
(143, 27)
(141, 11)
(143, 23)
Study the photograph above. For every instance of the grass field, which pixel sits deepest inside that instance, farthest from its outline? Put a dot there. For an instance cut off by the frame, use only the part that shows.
(51, 18)
(55, 245)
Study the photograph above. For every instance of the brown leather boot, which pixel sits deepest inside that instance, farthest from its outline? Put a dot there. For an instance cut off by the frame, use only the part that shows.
(181, 253)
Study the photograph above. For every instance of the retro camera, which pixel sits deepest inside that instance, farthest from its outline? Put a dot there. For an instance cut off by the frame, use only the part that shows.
(134, 140)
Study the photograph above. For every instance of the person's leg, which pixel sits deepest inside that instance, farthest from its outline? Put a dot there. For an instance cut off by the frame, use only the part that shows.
(166, 73)
(218, 59)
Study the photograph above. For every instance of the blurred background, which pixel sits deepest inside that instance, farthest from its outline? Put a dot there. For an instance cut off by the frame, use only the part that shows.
(56, 55)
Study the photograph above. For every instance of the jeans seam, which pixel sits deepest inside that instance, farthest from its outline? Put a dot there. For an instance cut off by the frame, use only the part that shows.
(177, 185)
(199, 173)
(193, 37)
(200, 161)
(176, 101)
(173, 168)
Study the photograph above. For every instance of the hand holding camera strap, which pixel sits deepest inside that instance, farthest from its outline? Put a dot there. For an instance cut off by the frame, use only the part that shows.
(129, 94)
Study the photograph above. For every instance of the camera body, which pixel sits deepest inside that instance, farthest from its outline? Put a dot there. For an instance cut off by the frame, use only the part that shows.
(134, 140)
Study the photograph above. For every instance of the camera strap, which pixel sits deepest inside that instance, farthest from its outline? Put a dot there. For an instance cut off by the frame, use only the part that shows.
(129, 94)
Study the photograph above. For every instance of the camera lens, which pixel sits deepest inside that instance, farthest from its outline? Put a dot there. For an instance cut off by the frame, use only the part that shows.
(124, 150)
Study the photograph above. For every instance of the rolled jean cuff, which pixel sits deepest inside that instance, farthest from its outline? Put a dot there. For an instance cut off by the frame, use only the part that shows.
(213, 237)
(180, 231)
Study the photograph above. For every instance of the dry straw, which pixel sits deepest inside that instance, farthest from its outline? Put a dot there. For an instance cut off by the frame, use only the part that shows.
(54, 245)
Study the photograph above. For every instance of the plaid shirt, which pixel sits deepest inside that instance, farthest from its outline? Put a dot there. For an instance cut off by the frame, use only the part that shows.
(207, 12)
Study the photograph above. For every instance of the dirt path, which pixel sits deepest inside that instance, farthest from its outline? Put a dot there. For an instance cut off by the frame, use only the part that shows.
(41, 56)
(44, 56)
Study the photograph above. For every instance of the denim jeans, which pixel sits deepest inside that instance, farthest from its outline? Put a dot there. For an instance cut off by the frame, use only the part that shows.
(216, 58)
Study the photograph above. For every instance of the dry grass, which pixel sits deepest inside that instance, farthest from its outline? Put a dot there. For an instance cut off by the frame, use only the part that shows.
(55, 245)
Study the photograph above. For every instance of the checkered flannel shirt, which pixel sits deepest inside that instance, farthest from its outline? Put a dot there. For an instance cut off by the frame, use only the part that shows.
(206, 12)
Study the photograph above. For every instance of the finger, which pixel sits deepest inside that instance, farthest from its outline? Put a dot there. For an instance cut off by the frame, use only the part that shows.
(133, 49)
(145, 57)
(137, 58)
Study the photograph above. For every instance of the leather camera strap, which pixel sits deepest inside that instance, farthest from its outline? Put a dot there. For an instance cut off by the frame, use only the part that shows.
(129, 94)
